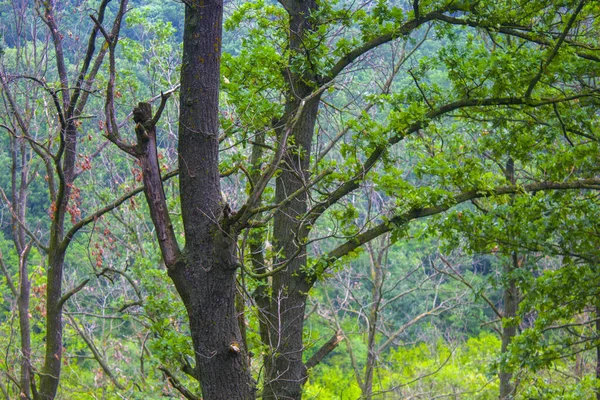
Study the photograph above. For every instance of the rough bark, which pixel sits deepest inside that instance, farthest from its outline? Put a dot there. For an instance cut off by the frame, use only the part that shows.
(50, 375)
(204, 272)
(285, 372)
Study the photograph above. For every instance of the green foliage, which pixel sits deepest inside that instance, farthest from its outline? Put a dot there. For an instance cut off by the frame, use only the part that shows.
(418, 371)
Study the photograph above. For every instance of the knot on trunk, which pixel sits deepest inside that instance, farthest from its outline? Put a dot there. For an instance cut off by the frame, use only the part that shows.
(142, 113)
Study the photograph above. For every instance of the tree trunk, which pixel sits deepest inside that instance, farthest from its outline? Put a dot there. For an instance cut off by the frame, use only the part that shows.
(19, 178)
(24, 325)
(50, 375)
(204, 273)
(598, 352)
(376, 293)
(511, 303)
(284, 369)
(285, 373)
(52, 361)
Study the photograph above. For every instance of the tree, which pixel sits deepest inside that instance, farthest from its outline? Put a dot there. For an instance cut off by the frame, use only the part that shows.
(494, 61)
(204, 271)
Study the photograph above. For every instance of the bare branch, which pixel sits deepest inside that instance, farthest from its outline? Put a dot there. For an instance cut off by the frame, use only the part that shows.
(98, 213)
(111, 126)
(457, 276)
(97, 356)
(22, 224)
(384, 90)
(402, 30)
(87, 59)
(245, 212)
(163, 102)
(70, 293)
(327, 348)
(177, 385)
(101, 28)
(9, 280)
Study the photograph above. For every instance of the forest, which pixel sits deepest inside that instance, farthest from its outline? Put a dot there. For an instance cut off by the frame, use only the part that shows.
(300, 199)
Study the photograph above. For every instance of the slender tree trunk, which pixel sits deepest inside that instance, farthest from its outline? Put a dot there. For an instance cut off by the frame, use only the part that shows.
(24, 325)
(285, 373)
(377, 279)
(598, 352)
(19, 178)
(511, 304)
(50, 375)
(256, 241)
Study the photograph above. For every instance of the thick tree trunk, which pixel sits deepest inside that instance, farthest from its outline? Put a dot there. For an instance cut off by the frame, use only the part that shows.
(204, 273)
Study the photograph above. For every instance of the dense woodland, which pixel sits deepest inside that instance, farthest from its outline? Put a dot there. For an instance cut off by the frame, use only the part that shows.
(346, 199)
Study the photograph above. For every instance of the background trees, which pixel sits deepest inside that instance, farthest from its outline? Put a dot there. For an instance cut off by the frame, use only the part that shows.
(339, 123)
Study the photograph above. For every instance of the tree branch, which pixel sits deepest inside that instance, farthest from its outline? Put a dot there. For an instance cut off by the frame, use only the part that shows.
(9, 280)
(522, 32)
(177, 385)
(554, 51)
(402, 30)
(98, 213)
(461, 279)
(246, 211)
(354, 182)
(111, 126)
(70, 293)
(420, 212)
(324, 350)
(97, 356)
(384, 90)
(87, 59)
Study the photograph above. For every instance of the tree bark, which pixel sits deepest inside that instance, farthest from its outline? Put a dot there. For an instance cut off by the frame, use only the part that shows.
(376, 293)
(19, 178)
(511, 303)
(597, 352)
(285, 372)
(204, 272)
